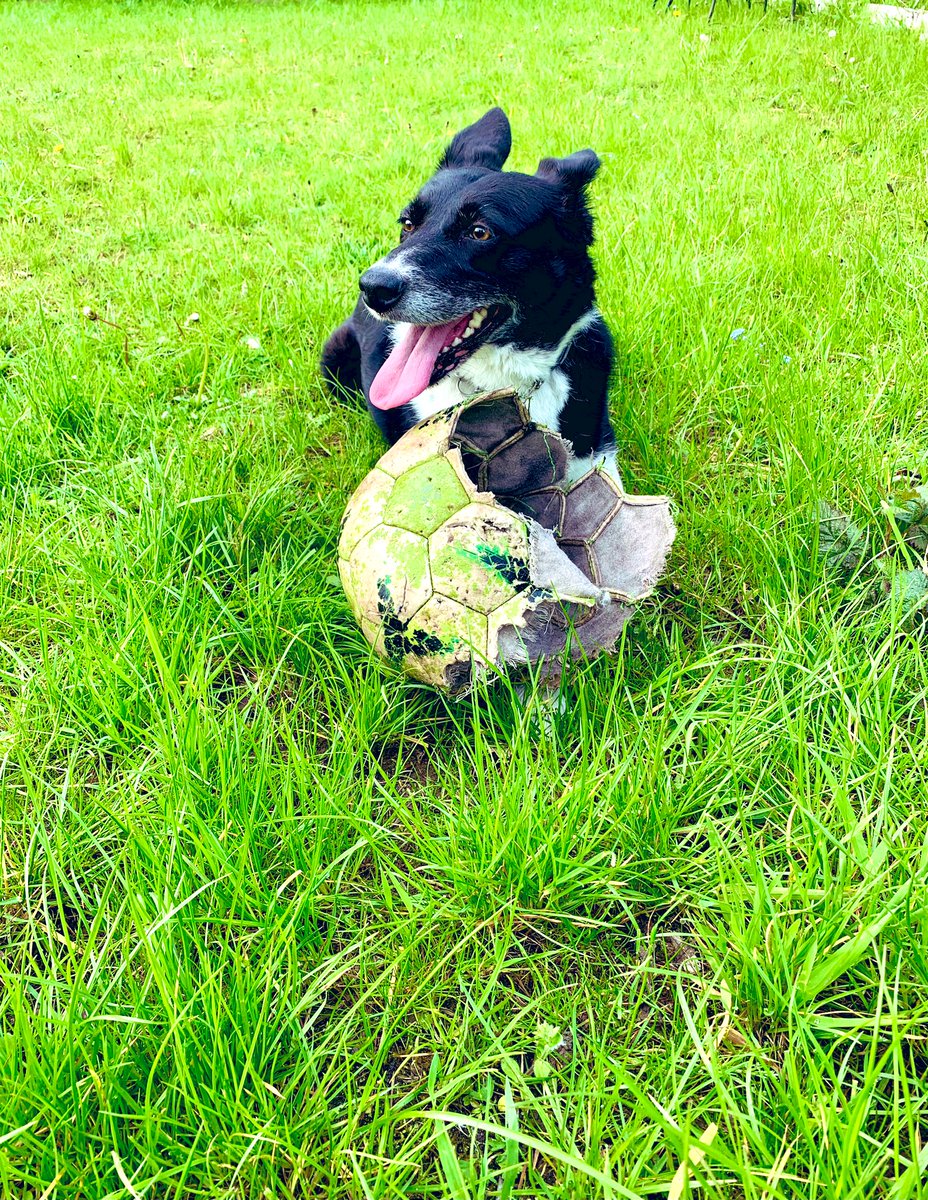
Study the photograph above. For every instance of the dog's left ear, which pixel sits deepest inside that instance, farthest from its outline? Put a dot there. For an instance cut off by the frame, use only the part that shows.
(574, 173)
(486, 143)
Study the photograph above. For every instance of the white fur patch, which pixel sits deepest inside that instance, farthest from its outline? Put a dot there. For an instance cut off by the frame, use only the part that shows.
(533, 373)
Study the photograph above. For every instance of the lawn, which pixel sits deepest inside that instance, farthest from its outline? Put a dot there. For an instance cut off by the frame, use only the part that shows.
(275, 923)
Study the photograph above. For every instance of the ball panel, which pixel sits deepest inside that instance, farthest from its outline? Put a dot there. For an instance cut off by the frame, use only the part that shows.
(365, 510)
(450, 643)
(389, 574)
(530, 463)
(344, 574)
(588, 505)
(487, 424)
(426, 440)
(630, 552)
(480, 556)
(424, 496)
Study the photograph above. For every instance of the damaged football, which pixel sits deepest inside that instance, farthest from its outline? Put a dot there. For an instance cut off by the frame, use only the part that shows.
(466, 549)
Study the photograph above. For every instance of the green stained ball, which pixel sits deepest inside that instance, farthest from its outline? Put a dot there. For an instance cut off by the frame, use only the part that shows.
(450, 580)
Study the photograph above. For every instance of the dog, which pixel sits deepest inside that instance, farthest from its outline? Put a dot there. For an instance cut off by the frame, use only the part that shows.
(491, 286)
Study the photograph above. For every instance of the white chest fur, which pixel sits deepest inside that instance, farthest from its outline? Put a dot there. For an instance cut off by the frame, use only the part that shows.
(544, 387)
(532, 372)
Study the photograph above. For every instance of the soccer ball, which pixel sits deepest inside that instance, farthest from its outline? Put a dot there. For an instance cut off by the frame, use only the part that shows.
(466, 550)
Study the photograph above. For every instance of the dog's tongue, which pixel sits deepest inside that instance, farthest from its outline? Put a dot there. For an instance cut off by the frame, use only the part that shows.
(410, 364)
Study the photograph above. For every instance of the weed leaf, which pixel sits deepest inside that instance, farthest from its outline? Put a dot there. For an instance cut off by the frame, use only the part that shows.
(841, 543)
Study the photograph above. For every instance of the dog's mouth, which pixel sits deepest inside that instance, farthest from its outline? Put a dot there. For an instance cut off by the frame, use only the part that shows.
(424, 354)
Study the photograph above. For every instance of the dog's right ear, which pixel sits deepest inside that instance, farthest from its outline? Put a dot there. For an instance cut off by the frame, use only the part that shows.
(573, 173)
(486, 143)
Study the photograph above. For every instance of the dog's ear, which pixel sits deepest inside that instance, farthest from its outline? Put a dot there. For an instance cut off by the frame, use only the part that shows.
(486, 143)
(574, 173)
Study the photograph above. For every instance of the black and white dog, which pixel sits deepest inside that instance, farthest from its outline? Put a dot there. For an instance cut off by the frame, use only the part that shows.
(491, 286)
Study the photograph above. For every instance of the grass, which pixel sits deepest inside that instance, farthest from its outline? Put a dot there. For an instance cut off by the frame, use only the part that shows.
(276, 923)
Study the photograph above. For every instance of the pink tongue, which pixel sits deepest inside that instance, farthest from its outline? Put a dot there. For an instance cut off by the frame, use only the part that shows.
(410, 364)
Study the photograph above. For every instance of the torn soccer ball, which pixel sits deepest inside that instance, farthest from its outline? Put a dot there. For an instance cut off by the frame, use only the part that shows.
(465, 549)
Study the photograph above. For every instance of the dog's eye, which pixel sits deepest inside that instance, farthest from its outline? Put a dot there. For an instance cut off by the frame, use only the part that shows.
(479, 233)
(406, 225)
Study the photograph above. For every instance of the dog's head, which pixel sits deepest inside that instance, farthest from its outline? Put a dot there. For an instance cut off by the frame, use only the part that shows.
(482, 253)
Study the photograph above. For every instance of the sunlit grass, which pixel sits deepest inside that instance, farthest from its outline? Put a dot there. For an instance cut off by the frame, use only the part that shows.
(276, 923)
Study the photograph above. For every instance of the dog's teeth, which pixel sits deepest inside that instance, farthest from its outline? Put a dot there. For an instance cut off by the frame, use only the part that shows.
(468, 332)
(456, 342)
(482, 314)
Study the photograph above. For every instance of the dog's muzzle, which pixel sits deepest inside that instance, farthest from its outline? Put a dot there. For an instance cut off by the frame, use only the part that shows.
(381, 288)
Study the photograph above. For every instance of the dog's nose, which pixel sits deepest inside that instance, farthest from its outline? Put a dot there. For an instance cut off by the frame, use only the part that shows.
(381, 288)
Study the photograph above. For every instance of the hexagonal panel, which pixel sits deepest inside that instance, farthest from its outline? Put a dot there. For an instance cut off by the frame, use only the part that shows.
(424, 496)
(588, 505)
(628, 555)
(389, 574)
(488, 423)
(480, 556)
(428, 439)
(365, 510)
(531, 463)
(443, 638)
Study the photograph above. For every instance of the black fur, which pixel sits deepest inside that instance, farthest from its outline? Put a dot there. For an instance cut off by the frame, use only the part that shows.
(533, 273)
(341, 360)
(584, 419)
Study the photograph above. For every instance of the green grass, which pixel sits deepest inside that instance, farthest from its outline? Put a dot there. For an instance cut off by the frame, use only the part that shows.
(276, 923)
